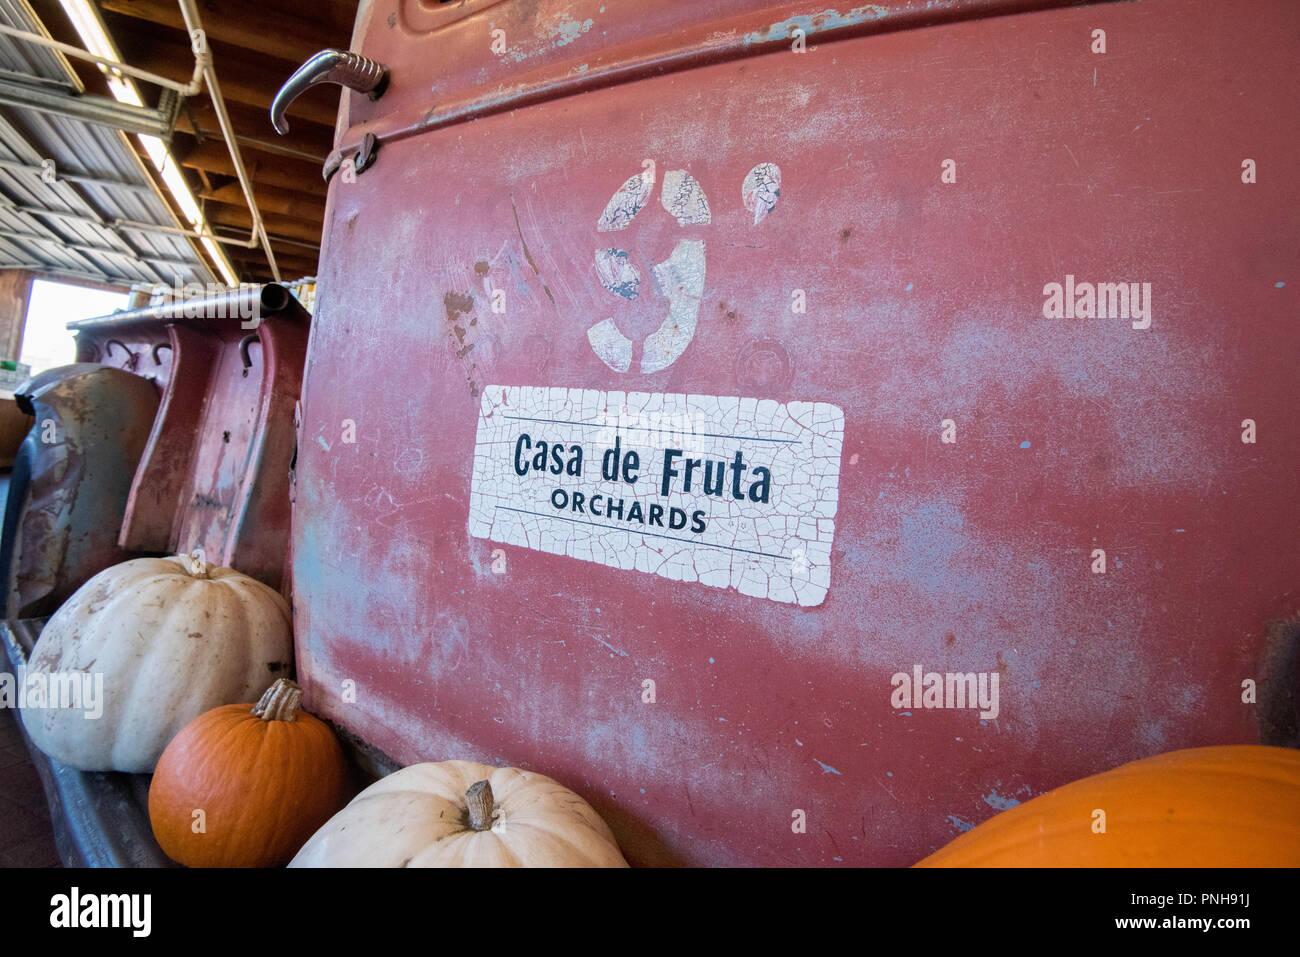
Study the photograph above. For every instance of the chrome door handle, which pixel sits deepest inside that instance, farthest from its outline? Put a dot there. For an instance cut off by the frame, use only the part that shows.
(329, 66)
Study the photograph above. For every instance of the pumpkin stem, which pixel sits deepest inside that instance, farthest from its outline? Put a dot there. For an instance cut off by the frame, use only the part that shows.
(479, 800)
(280, 701)
(197, 565)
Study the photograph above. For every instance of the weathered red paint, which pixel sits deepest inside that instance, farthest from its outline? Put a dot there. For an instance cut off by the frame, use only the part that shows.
(215, 473)
(924, 303)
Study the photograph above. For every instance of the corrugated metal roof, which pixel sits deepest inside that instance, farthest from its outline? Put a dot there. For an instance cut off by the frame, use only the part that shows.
(85, 245)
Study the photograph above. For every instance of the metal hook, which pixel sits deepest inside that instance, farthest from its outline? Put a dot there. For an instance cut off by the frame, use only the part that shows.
(329, 66)
(161, 345)
(244, 357)
(131, 357)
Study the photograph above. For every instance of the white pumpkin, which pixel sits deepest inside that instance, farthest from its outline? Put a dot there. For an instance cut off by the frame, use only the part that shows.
(463, 814)
(172, 638)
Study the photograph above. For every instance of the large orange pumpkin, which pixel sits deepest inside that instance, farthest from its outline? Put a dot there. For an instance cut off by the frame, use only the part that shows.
(241, 787)
(1228, 806)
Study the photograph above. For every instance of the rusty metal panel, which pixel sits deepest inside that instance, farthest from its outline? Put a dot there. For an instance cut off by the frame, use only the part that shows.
(91, 426)
(514, 237)
(215, 472)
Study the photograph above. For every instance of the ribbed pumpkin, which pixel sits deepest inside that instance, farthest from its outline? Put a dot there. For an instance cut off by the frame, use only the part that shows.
(463, 814)
(1227, 806)
(265, 778)
(172, 637)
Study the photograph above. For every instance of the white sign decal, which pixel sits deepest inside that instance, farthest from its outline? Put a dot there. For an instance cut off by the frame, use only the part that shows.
(735, 493)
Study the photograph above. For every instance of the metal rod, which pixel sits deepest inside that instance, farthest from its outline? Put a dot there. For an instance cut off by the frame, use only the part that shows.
(194, 25)
(185, 89)
(89, 108)
(251, 243)
(267, 146)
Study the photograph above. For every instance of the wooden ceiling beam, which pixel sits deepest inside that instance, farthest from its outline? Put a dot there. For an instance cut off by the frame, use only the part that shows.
(244, 78)
(211, 155)
(271, 199)
(254, 127)
(241, 23)
(338, 14)
(238, 219)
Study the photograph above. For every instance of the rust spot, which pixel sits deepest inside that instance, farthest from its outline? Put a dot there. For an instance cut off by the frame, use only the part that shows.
(950, 639)
(392, 20)
(481, 267)
(456, 303)
(528, 255)
(846, 232)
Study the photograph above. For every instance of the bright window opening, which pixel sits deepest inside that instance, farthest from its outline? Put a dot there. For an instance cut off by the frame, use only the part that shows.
(46, 340)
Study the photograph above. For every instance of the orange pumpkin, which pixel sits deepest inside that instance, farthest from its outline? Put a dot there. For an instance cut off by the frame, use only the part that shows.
(1228, 806)
(246, 788)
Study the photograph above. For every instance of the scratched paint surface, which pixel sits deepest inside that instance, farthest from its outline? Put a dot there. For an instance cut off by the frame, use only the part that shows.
(924, 303)
(665, 486)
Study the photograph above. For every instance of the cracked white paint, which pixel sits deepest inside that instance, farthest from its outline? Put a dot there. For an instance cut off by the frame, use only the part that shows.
(779, 549)
(680, 279)
(616, 273)
(760, 190)
(611, 346)
(683, 197)
(627, 200)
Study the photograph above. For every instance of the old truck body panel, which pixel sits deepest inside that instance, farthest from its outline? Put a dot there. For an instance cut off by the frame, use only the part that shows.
(904, 246)
(71, 482)
(216, 470)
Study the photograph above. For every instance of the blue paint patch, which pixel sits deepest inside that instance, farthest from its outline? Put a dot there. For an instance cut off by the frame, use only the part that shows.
(808, 23)
(570, 30)
(908, 288)
(995, 800)
(323, 444)
(958, 823)
(827, 769)
(710, 661)
(1278, 285)
(1025, 445)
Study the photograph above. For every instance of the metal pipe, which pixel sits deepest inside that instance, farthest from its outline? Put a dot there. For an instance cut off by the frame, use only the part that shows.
(267, 146)
(271, 299)
(251, 243)
(194, 25)
(184, 89)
